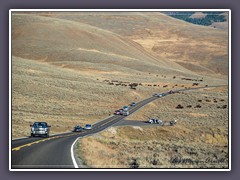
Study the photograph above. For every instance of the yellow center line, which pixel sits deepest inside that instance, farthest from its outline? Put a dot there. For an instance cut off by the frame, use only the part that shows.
(29, 144)
(135, 107)
(42, 140)
(109, 121)
(47, 139)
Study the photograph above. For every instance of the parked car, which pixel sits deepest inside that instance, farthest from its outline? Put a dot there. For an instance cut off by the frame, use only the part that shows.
(172, 123)
(88, 126)
(40, 129)
(155, 95)
(77, 129)
(133, 104)
(155, 121)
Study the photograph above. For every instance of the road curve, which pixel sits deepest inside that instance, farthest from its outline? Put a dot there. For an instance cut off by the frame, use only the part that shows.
(54, 152)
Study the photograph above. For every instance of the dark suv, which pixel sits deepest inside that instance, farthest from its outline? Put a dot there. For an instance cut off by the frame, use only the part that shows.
(77, 129)
(40, 129)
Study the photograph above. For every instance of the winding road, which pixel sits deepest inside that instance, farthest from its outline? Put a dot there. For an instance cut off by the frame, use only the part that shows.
(57, 151)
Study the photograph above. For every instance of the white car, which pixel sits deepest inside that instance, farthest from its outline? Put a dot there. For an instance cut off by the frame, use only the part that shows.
(40, 129)
(125, 113)
(158, 95)
(125, 108)
(88, 126)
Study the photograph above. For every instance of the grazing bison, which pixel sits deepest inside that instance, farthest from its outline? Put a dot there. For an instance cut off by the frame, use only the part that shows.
(179, 106)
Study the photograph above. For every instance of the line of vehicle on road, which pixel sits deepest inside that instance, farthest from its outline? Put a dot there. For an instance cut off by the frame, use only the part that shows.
(43, 129)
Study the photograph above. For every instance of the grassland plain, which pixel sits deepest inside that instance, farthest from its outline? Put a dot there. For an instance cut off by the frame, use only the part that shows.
(70, 69)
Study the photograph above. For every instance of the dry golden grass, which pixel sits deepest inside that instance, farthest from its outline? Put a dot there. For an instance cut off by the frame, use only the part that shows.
(153, 148)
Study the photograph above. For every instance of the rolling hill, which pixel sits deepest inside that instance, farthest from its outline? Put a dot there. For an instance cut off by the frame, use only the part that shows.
(76, 45)
(203, 49)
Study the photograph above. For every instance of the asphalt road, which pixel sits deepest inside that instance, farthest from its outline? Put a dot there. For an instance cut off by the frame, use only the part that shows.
(55, 151)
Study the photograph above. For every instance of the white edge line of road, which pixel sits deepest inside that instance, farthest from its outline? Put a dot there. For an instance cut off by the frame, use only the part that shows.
(72, 154)
(73, 144)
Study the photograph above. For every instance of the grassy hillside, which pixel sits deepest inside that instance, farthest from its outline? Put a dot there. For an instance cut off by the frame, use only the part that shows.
(204, 48)
(76, 46)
